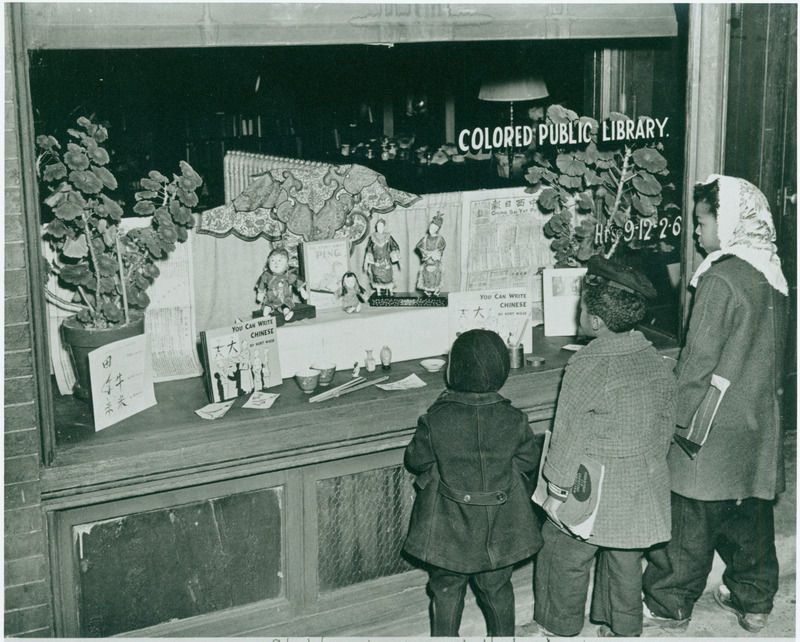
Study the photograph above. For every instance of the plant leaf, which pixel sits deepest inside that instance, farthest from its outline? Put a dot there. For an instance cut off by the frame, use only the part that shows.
(77, 275)
(159, 177)
(100, 134)
(144, 208)
(646, 183)
(56, 229)
(191, 175)
(54, 172)
(560, 114)
(68, 210)
(47, 142)
(189, 199)
(584, 201)
(586, 249)
(649, 159)
(113, 209)
(76, 248)
(548, 199)
(86, 182)
(588, 155)
(107, 265)
(106, 177)
(643, 205)
(571, 166)
(620, 216)
(107, 285)
(76, 160)
(571, 182)
(112, 312)
(150, 185)
(98, 154)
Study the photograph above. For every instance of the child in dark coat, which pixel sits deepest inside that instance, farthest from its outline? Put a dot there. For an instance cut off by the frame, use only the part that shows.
(473, 518)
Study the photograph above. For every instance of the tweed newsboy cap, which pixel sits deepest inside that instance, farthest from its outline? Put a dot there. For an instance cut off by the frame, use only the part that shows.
(621, 276)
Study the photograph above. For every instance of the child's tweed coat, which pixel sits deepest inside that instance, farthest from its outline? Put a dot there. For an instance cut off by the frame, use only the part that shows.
(617, 403)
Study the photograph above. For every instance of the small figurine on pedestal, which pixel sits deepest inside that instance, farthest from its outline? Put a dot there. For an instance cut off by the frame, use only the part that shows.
(350, 293)
(430, 248)
(276, 285)
(381, 252)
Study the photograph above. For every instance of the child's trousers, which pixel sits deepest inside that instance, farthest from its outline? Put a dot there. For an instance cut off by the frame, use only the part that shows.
(744, 535)
(562, 583)
(493, 590)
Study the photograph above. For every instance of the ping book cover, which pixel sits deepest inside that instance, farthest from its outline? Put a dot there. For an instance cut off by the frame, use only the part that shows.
(241, 358)
(323, 264)
(579, 511)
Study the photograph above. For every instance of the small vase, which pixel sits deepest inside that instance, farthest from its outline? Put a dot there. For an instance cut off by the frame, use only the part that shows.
(386, 357)
(369, 362)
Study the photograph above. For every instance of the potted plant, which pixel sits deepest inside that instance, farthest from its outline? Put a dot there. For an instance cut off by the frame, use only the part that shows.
(107, 268)
(601, 195)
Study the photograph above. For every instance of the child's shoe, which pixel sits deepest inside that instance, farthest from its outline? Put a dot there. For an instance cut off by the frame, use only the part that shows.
(752, 622)
(605, 631)
(651, 620)
(538, 631)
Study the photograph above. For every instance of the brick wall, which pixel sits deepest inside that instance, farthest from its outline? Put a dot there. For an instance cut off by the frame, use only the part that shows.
(28, 611)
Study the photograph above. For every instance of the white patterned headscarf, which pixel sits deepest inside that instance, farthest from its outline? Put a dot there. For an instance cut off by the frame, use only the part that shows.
(745, 229)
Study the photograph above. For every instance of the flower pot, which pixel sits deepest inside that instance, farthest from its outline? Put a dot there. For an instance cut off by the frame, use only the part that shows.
(80, 341)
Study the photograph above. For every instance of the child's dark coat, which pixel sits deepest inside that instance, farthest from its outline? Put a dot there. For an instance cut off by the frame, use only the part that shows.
(473, 511)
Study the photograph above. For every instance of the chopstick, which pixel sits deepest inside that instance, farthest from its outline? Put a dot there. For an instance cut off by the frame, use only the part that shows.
(333, 392)
(366, 384)
(352, 386)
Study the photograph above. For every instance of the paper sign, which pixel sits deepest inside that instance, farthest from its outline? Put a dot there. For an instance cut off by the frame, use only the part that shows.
(506, 312)
(261, 400)
(411, 381)
(561, 290)
(122, 380)
(214, 410)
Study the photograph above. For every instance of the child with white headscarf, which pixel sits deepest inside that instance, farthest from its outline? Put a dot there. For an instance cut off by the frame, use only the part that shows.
(722, 497)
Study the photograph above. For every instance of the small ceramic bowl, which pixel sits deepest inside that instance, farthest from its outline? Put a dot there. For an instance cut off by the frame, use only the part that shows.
(433, 365)
(307, 380)
(326, 371)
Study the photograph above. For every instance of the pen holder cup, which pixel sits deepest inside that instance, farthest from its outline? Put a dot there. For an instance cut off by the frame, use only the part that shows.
(516, 355)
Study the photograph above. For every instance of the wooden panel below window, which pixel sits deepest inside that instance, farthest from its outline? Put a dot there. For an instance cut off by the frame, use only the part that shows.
(177, 562)
(362, 521)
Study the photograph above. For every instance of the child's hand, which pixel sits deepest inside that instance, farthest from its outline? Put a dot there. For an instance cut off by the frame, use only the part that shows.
(551, 506)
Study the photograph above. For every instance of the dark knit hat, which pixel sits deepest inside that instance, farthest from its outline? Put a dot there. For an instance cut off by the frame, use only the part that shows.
(478, 362)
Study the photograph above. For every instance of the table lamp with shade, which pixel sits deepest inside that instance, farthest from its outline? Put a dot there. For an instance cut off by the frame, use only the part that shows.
(512, 89)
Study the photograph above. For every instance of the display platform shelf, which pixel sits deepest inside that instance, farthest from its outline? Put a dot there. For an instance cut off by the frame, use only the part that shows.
(305, 504)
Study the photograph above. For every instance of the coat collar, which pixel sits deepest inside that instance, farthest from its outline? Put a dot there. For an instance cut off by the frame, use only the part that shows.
(471, 398)
(626, 343)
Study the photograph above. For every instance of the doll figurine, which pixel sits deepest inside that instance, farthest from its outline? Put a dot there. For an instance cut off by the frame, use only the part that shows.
(430, 248)
(276, 285)
(350, 293)
(381, 252)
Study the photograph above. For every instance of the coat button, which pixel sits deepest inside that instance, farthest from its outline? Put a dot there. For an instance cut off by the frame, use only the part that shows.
(501, 497)
(467, 498)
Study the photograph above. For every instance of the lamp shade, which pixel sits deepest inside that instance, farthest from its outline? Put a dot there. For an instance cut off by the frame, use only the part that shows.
(513, 89)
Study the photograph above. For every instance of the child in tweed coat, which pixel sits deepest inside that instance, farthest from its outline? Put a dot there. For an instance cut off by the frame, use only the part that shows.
(617, 404)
